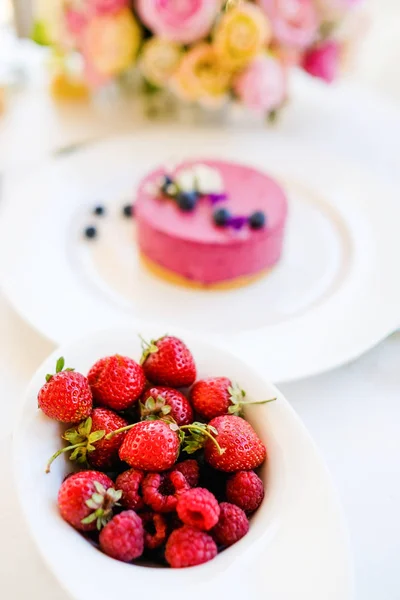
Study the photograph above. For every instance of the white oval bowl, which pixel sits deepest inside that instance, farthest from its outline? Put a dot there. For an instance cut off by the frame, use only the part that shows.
(296, 547)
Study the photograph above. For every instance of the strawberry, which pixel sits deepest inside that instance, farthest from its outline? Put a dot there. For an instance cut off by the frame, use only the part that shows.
(88, 442)
(163, 401)
(86, 499)
(66, 396)
(216, 396)
(150, 446)
(241, 447)
(117, 382)
(167, 361)
(155, 445)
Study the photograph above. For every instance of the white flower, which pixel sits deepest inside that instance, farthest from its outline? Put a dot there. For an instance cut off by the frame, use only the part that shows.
(200, 178)
(186, 179)
(208, 179)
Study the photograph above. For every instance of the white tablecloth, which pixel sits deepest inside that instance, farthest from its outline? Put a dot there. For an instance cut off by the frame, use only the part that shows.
(353, 413)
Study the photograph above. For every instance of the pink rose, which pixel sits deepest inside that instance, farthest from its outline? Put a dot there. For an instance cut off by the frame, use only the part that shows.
(184, 21)
(78, 18)
(106, 7)
(75, 22)
(262, 85)
(294, 22)
(323, 61)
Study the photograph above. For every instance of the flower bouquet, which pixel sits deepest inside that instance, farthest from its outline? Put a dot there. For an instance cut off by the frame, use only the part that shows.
(201, 51)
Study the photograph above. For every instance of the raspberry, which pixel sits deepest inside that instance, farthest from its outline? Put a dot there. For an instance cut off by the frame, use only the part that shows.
(199, 508)
(161, 490)
(246, 490)
(123, 537)
(155, 529)
(232, 525)
(187, 547)
(190, 470)
(129, 482)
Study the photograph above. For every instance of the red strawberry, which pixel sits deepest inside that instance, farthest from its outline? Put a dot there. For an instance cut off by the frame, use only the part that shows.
(66, 396)
(85, 500)
(216, 396)
(88, 442)
(169, 362)
(242, 449)
(117, 382)
(210, 397)
(164, 401)
(123, 537)
(150, 446)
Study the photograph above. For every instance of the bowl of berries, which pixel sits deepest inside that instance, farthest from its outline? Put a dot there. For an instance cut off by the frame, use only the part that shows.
(153, 462)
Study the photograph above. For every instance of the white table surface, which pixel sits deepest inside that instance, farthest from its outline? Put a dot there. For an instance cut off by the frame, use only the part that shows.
(353, 413)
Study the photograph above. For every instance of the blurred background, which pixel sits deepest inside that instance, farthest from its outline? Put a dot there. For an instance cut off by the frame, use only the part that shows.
(352, 412)
(25, 102)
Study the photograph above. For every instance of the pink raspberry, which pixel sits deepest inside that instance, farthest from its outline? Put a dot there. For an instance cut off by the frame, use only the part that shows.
(155, 529)
(232, 525)
(129, 483)
(123, 537)
(161, 490)
(187, 547)
(199, 508)
(246, 490)
(191, 471)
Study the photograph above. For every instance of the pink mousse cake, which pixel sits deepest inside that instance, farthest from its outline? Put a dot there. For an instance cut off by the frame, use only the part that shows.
(225, 227)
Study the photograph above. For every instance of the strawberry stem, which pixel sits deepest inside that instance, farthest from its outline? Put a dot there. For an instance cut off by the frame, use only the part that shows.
(204, 431)
(59, 452)
(121, 430)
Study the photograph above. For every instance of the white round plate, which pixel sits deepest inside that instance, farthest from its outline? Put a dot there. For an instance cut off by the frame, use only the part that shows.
(296, 547)
(334, 294)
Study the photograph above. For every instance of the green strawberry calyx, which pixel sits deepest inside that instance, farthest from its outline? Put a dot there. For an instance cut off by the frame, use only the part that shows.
(82, 441)
(102, 503)
(59, 368)
(155, 408)
(194, 436)
(149, 347)
(237, 397)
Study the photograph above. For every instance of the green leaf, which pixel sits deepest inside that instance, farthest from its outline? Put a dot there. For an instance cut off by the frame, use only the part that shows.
(98, 498)
(90, 519)
(150, 403)
(99, 487)
(91, 504)
(174, 427)
(213, 430)
(72, 436)
(78, 453)
(90, 448)
(96, 436)
(60, 364)
(85, 427)
(48, 377)
(39, 34)
(166, 409)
